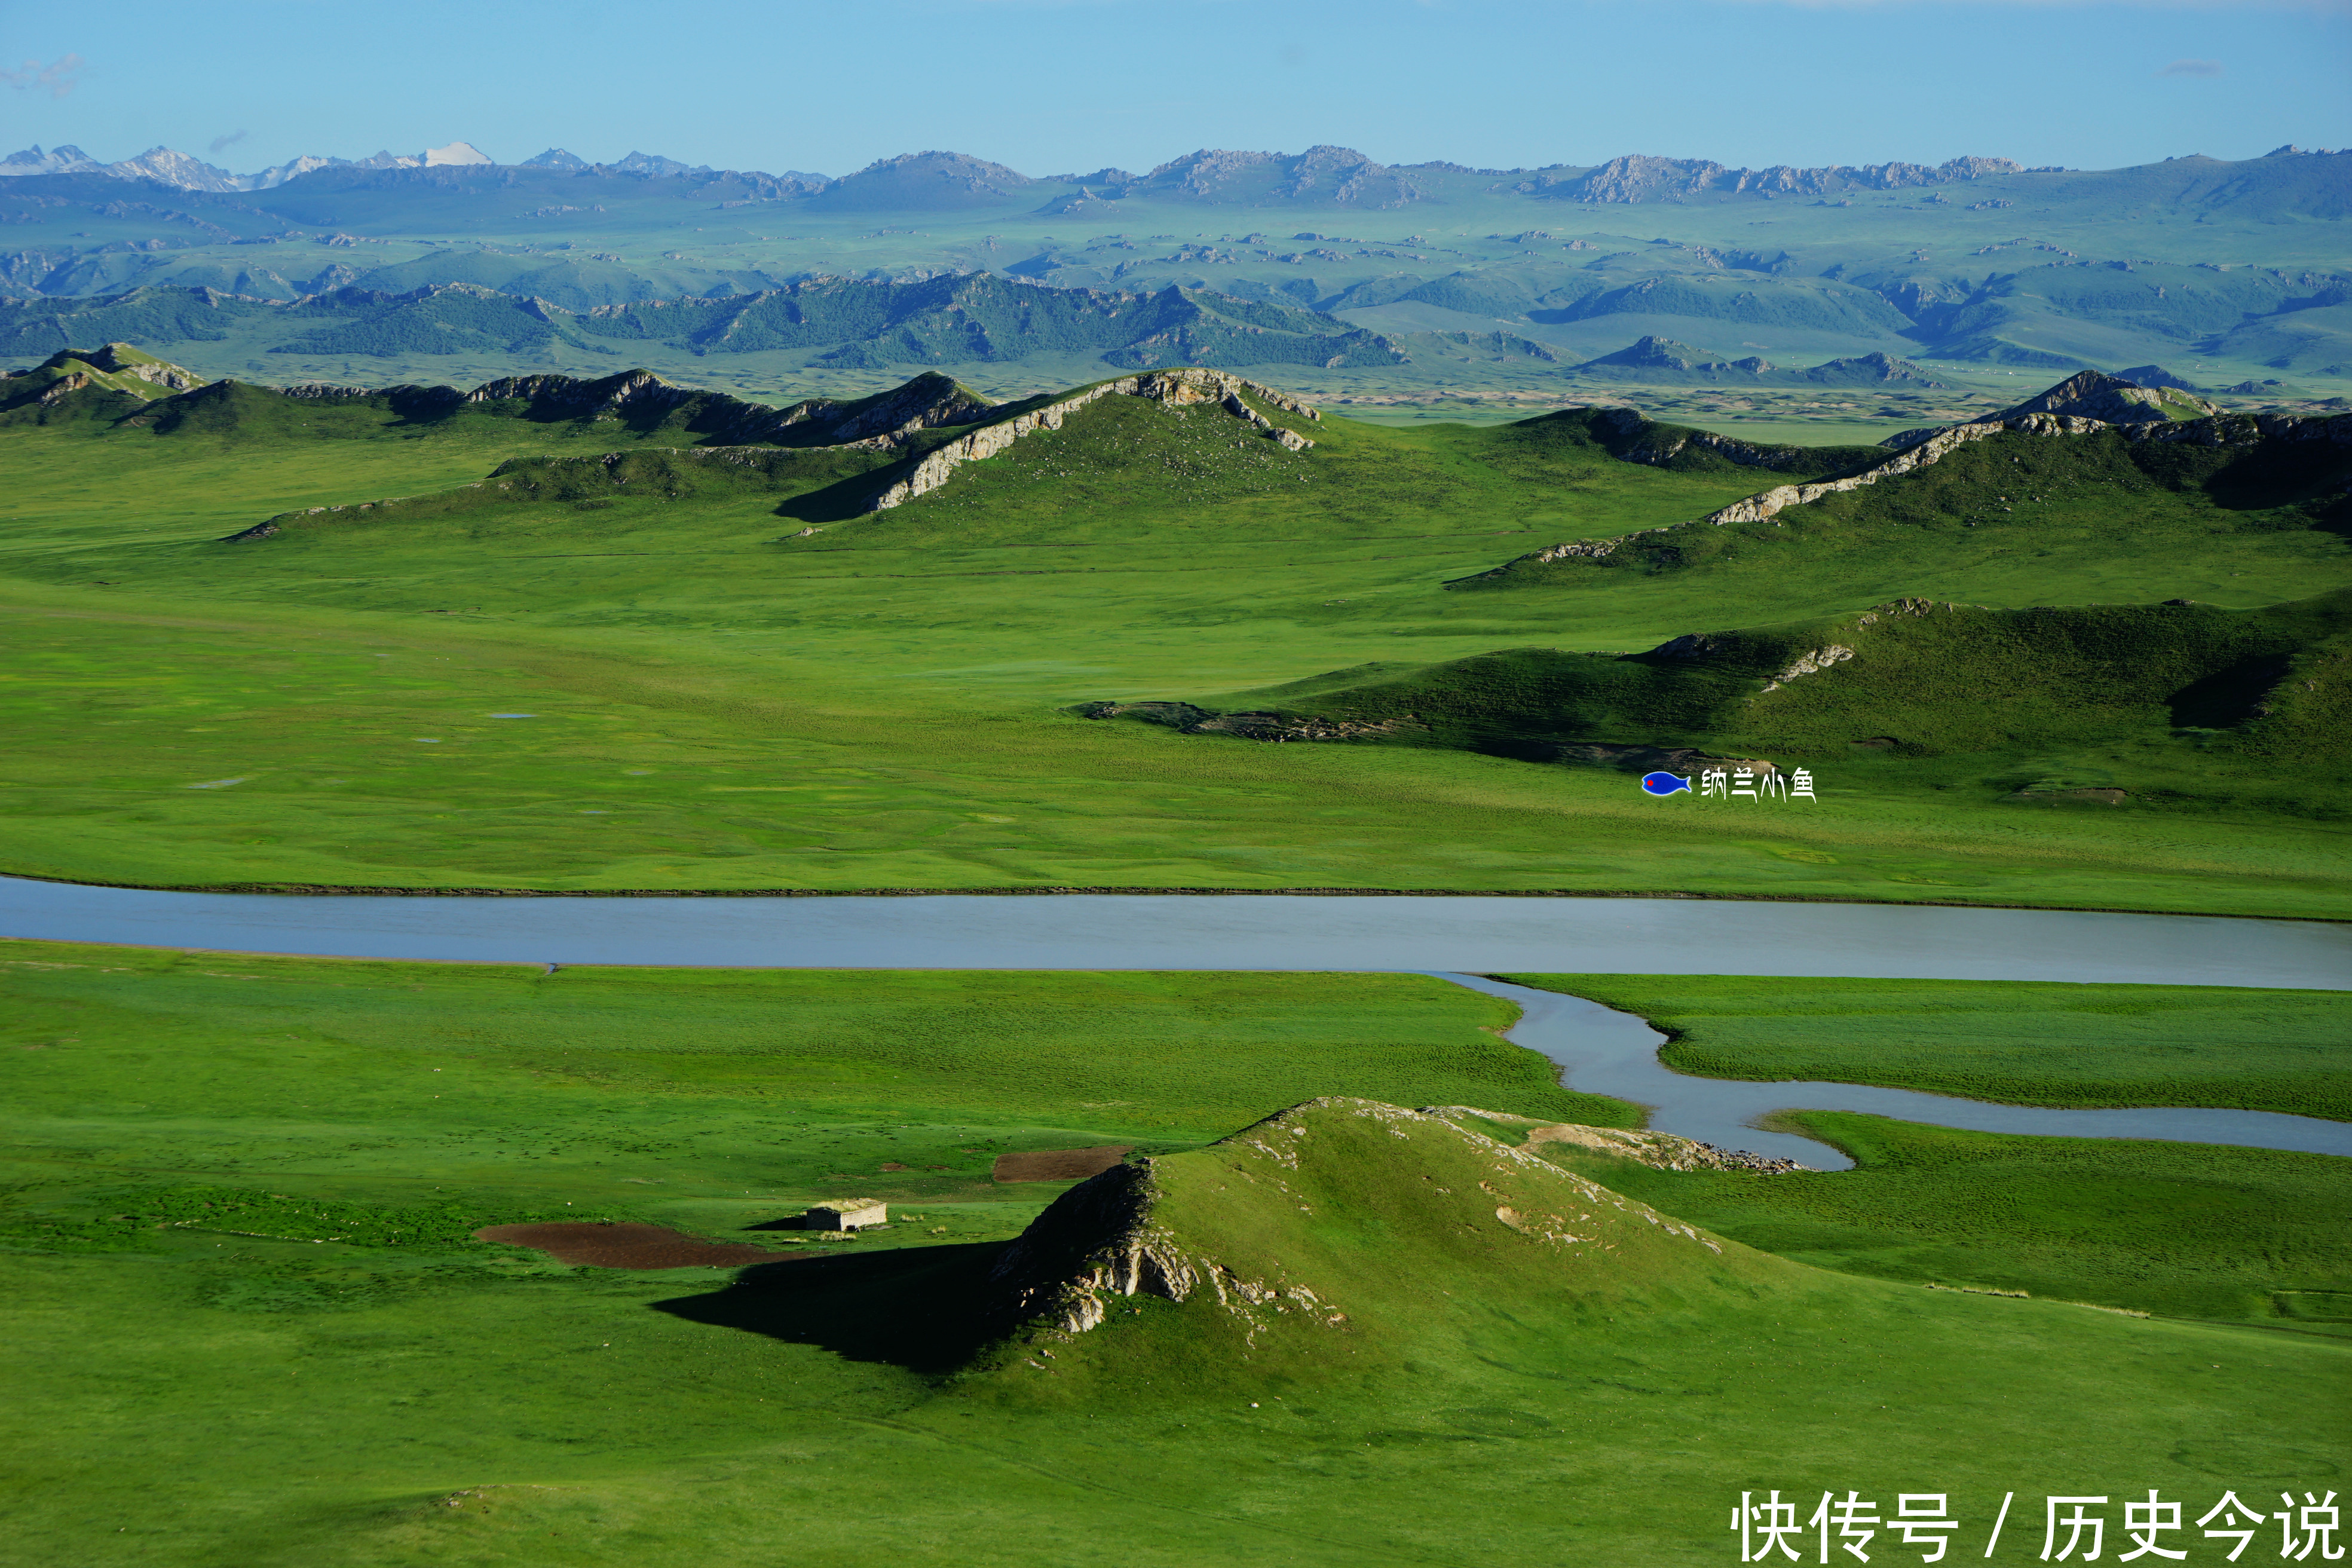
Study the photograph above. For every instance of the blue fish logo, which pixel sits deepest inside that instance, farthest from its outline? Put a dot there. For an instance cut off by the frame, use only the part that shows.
(1664, 783)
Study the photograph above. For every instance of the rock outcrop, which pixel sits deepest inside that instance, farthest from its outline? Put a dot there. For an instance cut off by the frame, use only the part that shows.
(122, 359)
(1811, 663)
(1122, 1234)
(1661, 1151)
(2094, 395)
(2144, 415)
(1174, 387)
(1097, 1239)
(112, 368)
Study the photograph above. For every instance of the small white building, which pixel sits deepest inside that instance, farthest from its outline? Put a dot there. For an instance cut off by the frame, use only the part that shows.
(845, 1213)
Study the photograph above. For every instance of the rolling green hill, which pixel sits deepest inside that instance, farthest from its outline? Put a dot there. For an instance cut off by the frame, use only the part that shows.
(110, 382)
(2243, 700)
(2203, 702)
(2092, 455)
(119, 392)
(676, 583)
(1348, 1255)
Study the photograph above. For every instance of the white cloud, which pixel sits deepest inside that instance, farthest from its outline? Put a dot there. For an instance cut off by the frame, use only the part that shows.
(59, 76)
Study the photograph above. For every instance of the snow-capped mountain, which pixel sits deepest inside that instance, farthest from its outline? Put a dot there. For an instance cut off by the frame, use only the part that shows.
(172, 168)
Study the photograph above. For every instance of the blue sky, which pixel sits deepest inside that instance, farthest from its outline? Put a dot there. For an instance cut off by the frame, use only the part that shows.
(1050, 85)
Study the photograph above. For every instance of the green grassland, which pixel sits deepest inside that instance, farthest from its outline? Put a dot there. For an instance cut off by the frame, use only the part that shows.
(193, 1385)
(2206, 706)
(723, 698)
(2181, 1230)
(2015, 1042)
(2010, 515)
(2207, 709)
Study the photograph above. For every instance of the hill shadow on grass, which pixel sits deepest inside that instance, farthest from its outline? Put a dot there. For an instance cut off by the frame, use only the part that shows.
(2229, 696)
(921, 1308)
(841, 501)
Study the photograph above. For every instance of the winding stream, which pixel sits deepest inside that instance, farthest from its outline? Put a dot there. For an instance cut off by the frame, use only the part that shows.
(1601, 1051)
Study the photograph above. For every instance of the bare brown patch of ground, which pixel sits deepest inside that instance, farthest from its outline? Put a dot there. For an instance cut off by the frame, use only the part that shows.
(1059, 1164)
(629, 1246)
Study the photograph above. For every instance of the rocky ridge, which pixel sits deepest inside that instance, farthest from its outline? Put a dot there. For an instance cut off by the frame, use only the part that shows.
(1173, 387)
(1642, 177)
(1661, 1151)
(114, 367)
(2083, 404)
(881, 422)
(1658, 444)
(887, 419)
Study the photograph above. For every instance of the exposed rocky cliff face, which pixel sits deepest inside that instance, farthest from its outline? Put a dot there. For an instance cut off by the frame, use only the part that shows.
(2138, 414)
(111, 372)
(1660, 1151)
(122, 359)
(1170, 387)
(1097, 1239)
(2091, 395)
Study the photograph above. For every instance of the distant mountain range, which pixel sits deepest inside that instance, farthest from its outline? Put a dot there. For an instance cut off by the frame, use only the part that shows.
(165, 167)
(2222, 270)
(840, 324)
(846, 323)
(1338, 176)
(1320, 176)
(178, 170)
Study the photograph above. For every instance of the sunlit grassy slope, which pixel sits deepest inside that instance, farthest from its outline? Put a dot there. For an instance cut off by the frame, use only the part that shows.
(2019, 1043)
(188, 1394)
(2252, 1235)
(721, 699)
(2208, 708)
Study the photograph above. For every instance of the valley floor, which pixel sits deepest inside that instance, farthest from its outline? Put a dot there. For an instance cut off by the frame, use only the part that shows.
(653, 696)
(246, 1322)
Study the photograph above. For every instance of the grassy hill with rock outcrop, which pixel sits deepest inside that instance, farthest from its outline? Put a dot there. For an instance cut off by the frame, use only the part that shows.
(2094, 463)
(922, 569)
(1351, 1290)
(2248, 701)
(146, 394)
(112, 382)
